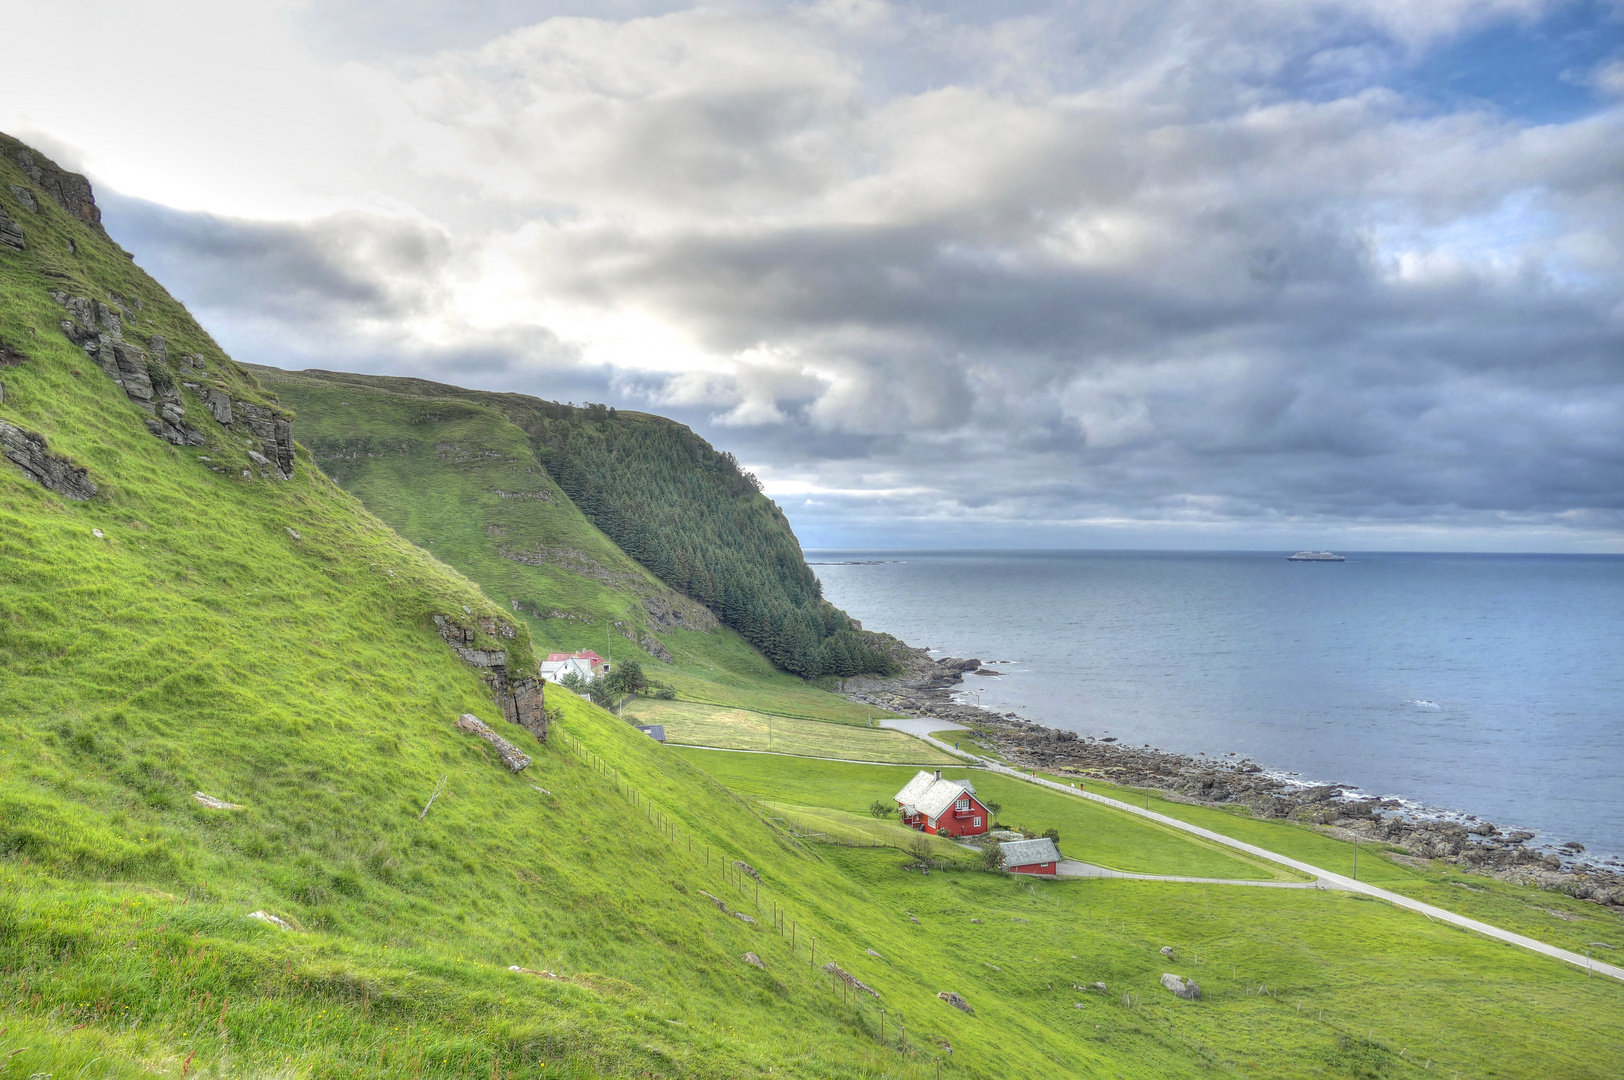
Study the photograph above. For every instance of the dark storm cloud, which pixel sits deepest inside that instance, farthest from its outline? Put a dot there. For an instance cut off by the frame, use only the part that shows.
(1240, 270)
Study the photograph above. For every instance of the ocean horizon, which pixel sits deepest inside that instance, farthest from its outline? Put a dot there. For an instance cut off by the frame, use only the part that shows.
(1463, 684)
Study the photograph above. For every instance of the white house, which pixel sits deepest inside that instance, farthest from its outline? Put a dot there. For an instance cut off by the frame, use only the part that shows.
(558, 665)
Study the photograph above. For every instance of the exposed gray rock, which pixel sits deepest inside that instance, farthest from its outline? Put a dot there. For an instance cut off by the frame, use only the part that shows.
(652, 646)
(849, 979)
(30, 453)
(218, 402)
(510, 754)
(753, 960)
(70, 191)
(11, 233)
(25, 198)
(681, 613)
(956, 1001)
(525, 704)
(1181, 987)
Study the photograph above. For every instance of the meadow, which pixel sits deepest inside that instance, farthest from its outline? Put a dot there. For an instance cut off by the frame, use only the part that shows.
(700, 724)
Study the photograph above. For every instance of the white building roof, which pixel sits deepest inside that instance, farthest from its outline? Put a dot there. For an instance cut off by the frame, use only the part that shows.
(1029, 852)
(931, 795)
(914, 788)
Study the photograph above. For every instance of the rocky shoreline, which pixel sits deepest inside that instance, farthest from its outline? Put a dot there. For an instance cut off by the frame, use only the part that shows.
(926, 686)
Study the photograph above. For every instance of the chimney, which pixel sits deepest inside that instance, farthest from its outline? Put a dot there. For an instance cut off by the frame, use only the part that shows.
(938, 774)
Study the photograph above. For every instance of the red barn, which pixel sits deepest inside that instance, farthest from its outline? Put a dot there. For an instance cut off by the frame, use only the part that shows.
(1038, 856)
(944, 807)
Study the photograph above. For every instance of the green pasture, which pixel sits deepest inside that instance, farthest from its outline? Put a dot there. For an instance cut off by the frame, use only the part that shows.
(738, 729)
(1088, 831)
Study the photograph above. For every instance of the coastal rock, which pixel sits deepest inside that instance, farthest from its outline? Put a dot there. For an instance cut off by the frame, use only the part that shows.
(32, 454)
(1181, 987)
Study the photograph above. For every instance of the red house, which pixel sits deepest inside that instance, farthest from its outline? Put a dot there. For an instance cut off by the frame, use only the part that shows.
(1038, 856)
(944, 807)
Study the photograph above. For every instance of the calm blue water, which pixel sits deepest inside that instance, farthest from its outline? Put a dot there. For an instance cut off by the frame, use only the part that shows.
(1483, 684)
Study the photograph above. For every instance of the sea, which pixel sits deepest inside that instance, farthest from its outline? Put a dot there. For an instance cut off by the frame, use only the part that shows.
(1462, 684)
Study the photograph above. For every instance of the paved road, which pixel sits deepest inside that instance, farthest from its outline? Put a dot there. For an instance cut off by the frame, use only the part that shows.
(1324, 878)
(1073, 868)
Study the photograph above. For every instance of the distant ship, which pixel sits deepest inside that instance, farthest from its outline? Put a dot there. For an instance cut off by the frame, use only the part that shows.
(1315, 556)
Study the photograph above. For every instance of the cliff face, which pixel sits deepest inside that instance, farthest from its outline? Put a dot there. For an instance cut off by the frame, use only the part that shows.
(130, 329)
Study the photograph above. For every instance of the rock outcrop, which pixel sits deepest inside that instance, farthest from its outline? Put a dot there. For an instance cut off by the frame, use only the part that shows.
(11, 233)
(30, 453)
(849, 979)
(511, 756)
(684, 614)
(956, 1001)
(523, 698)
(1181, 987)
(70, 191)
(147, 379)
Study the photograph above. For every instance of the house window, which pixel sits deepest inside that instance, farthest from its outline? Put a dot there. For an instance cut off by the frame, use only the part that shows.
(975, 823)
(962, 804)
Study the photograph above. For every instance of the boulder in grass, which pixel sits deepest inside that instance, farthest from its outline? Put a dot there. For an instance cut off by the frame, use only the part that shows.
(1167, 950)
(511, 757)
(753, 960)
(1181, 987)
(956, 1001)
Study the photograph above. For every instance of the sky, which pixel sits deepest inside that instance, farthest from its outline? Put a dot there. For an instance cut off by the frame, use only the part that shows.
(1221, 274)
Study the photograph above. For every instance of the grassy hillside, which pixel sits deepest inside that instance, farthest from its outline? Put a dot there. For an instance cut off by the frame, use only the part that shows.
(450, 471)
(198, 625)
(666, 497)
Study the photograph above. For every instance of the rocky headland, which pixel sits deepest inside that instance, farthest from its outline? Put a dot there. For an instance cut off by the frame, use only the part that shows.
(926, 687)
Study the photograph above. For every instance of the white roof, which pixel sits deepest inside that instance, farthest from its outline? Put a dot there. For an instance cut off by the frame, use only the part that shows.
(914, 788)
(554, 670)
(931, 795)
(1029, 852)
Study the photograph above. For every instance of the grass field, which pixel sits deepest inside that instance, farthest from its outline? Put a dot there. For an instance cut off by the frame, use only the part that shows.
(1088, 831)
(971, 742)
(739, 729)
(844, 825)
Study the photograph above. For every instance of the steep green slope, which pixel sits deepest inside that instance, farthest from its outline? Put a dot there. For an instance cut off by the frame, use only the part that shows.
(657, 490)
(450, 471)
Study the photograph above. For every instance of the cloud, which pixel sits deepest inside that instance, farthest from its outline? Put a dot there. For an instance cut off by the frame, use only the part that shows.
(1063, 270)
